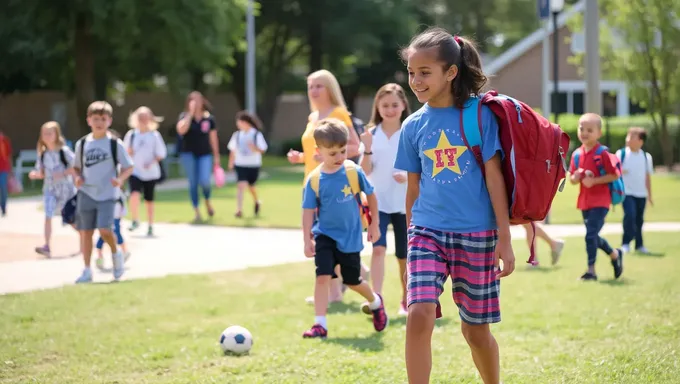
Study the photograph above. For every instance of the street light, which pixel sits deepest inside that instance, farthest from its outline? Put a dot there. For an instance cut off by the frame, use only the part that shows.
(250, 57)
(556, 7)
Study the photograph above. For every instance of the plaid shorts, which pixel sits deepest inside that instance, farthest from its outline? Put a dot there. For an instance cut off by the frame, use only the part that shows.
(469, 259)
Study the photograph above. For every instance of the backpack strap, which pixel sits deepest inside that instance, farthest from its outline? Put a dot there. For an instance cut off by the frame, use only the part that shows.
(114, 153)
(81, 143)
(42, 160)
(598, 160)
(471, 129)
(352, 177)
(62, 157)
(313, 180)
(622, 154)
(577, 157)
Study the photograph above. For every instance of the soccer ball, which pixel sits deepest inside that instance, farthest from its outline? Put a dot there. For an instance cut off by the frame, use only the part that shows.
(236, 340)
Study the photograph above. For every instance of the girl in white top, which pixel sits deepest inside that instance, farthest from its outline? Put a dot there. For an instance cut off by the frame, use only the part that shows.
(381, 141)
(147, 148)
(246, 147)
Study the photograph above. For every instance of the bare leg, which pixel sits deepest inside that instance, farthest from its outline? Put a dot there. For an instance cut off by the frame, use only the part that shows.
(402, 274)
(240, 189)
(86, 246)
(253, 193)
(134, 205)
(378, 268)
(419, 327)
(484, 351)
(149, 212)
(48, 231)
(364, 290)
(321, 295)
(109, 239)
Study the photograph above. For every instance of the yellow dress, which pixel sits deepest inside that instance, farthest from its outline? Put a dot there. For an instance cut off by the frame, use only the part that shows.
(308, 143)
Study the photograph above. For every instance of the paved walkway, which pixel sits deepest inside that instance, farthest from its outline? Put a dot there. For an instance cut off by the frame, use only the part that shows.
(176, 249)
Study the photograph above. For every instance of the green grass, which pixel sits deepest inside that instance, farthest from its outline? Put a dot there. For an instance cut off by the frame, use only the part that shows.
(555, 329)
(281, 195)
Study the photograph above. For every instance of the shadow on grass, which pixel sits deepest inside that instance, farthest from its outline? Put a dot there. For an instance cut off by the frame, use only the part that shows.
(401, 321)
(539, 269)
(371, 343)
(343, 307)
(618, 282)
(650, 254)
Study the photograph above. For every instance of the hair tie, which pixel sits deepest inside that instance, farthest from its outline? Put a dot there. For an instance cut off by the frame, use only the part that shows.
(458, 40)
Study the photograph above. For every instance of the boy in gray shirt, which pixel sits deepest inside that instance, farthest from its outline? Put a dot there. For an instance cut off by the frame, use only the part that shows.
(96, 165)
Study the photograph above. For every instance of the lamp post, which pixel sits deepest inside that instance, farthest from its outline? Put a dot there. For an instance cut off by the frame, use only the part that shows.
(556, 7)
(250, 57)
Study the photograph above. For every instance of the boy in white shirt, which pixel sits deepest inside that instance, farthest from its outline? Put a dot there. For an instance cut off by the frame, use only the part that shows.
(637, 167)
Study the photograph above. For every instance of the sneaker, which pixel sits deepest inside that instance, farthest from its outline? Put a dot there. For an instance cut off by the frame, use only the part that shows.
(118, 265)
(642, 251)
(589, 277)
(238, 215)
(44, 250)
(380, 319)
(557, 252)
(618, 264)
(309, 300)
(625, 248)
(403, 309)
(317, 330)
(99, 263)
(85, 277)
(126, 256)
(133, 226)
(257, 208)
(149, 232)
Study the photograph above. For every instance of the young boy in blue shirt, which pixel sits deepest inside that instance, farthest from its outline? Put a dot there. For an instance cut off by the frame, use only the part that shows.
(337, 230)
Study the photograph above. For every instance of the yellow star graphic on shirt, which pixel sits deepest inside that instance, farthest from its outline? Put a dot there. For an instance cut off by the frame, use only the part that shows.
(347, 190)
(445, 155)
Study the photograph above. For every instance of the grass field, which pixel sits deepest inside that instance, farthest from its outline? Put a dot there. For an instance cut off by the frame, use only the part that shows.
(281, 195)
(555, 329)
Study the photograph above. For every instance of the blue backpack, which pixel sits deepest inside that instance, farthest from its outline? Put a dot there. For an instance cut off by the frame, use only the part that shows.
(616, 188)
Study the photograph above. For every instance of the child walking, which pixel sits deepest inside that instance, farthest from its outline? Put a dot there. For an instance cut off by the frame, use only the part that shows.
(338, 229)
(54, 166)
(246, 147)
(637, 167)
(119, 213)
(96, 165)
(459, 224)
(594, 197)
(147, 148)
(381, 142)
(556, 245)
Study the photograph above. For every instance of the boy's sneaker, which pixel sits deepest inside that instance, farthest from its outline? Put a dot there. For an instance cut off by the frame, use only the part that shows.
(149, 232)
(642, 251)
(625, 248)
(44, 250)
(317, 330)
(557, 252)
(589, 277)
(257, 208)
(618, 264)
(403, 309)
(134, 225)
(126, 256)
(99, 263)
(85, 277)
(380, 319)
(118, 265)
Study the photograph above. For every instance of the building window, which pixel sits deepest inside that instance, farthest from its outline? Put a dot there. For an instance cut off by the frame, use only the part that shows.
(561, 106)
(636, 109)
(579, 103)
(609, 104)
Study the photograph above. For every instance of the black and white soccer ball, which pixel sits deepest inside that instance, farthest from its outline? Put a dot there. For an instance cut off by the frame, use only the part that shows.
(236, 340)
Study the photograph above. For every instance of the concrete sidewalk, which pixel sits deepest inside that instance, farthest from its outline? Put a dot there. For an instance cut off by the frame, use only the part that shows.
(185, 248)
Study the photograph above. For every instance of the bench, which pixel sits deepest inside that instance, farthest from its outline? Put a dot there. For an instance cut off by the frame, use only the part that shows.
(172, 157)
(25, 163)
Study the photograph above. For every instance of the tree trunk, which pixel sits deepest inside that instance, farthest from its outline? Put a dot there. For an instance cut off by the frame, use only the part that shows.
(267, 109)
(84, 69)
(238, 79)
(315, 41)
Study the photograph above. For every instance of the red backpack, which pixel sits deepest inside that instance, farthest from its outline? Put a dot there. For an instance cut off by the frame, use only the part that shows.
(535, 154)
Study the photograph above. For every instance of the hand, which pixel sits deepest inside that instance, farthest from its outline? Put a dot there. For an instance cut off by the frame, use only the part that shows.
(78, 181)
(231, 165)
(367, 139)
(373, 232)
(216, 161)
(588, 182)
(116, 182)
(309, 248)
(192, 107)
(294, 157)
(58, 176)
(399, 177)
(35, 175)
(651, 202)
(504, 252)
(253, 147)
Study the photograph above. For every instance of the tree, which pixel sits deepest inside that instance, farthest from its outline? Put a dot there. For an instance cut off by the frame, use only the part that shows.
(640, 41)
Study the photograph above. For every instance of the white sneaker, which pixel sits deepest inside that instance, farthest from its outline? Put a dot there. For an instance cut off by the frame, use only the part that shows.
(118, 265)
(625, 248)
(555, 254)
(642, 250)
(127, 256)
(99, 263)
(85, 277)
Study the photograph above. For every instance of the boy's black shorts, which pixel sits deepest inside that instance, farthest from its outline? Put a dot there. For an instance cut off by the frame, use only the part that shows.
(328, 256)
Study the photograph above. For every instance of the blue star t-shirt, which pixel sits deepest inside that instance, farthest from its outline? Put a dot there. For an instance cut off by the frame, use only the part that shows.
(453, 194)
(339, 216)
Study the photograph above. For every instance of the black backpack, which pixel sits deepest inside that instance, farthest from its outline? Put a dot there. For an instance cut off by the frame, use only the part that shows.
(62, 158)
(360, 128)
(164, 174)
(114, 152)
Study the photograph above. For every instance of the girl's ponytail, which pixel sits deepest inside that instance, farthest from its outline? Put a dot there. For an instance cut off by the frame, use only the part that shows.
(470, 78)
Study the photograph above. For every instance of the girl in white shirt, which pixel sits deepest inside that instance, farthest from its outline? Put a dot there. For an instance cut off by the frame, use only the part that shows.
(246, 147)
(381, 141)
(147, 148)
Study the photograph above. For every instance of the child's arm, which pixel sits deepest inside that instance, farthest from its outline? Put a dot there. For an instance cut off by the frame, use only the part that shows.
(499, 201)
(412, 192)
(648, 177)
(374, 227)
(232, 158)
(307, 222)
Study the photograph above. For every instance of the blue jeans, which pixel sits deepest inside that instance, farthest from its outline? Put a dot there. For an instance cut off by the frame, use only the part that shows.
(633, 218)
(116, 231)
(3, 191)
(594, 220)
(199, 171)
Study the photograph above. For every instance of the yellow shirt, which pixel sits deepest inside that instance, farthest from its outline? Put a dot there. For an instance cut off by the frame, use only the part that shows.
(308, 143)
